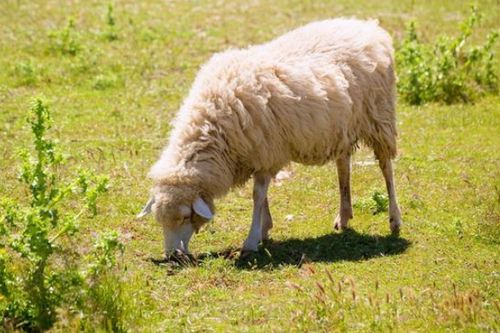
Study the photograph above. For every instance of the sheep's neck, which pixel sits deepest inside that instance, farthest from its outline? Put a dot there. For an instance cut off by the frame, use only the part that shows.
(215, 175)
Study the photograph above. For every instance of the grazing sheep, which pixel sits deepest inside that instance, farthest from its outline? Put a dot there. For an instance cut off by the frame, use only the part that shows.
(309, 96)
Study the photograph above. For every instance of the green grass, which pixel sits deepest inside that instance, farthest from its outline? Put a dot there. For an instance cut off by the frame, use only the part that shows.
(112, 99)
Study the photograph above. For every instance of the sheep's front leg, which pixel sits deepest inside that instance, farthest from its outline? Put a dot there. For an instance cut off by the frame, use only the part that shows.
(394, 212)
(261, 184)
(344, 174)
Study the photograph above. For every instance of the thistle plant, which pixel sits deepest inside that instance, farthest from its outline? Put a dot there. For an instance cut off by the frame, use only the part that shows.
(40, 271)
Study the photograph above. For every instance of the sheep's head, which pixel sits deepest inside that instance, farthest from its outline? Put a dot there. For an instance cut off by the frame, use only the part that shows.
(181, 211)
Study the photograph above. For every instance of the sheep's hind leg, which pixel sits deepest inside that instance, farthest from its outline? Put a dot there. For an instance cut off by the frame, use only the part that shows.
(266, 219)
(261, 184)
(394, 212)
(344, 175)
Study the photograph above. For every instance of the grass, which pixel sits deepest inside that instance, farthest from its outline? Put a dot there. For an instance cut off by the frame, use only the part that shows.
(112, 99)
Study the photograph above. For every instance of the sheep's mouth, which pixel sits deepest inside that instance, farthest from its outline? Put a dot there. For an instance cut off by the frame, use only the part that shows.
(177, 240)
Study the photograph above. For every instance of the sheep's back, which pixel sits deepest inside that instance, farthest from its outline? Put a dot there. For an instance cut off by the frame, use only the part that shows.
(307, 96)
(330, 84)
(338, 40)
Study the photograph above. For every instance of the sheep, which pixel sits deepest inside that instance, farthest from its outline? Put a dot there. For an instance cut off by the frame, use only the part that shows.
(310, 96)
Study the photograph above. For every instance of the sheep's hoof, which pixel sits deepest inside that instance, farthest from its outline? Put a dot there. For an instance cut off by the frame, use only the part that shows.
(250, 248)
(246, 253)
(250, 245)
(265, 235)
(395, 226)
(340, 225)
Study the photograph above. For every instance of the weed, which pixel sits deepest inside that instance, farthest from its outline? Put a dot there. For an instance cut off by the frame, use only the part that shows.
(103, 82)
(37, 272)
(105, 305)
(26, 73)
(381, 202)
(446, 72)
(376, 204)
(459, 227)
(66, 41)
(111, 33)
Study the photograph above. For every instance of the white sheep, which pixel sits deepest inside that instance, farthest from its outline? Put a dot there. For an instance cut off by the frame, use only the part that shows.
(309, 96)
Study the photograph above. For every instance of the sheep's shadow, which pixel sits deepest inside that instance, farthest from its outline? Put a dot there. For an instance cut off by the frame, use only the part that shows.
(346, 246)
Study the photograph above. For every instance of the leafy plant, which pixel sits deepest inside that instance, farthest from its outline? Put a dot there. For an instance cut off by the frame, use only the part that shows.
(448, 71)
(105, 305)
(26, 73)
(110, 33)
(67, 40)
(103, 82)
(381, 202)
(39, 267)
(376, 204)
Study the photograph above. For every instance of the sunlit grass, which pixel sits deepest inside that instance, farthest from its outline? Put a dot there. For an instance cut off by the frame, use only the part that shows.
(112, 101)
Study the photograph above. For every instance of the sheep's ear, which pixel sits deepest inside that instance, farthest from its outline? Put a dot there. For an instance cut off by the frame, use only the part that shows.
(201, 208)
(147, 208)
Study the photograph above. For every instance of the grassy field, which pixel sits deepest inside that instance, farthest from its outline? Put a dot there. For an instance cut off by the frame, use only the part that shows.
(113, 88)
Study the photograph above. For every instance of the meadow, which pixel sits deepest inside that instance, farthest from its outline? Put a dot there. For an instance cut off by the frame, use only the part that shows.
(113, 74)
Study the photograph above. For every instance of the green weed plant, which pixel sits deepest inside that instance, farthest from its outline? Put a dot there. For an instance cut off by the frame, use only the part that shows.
(66, 41)
(41, 269)
(450, 71)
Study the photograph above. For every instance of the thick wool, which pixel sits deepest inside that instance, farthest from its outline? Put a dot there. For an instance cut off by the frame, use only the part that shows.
(308, 96)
